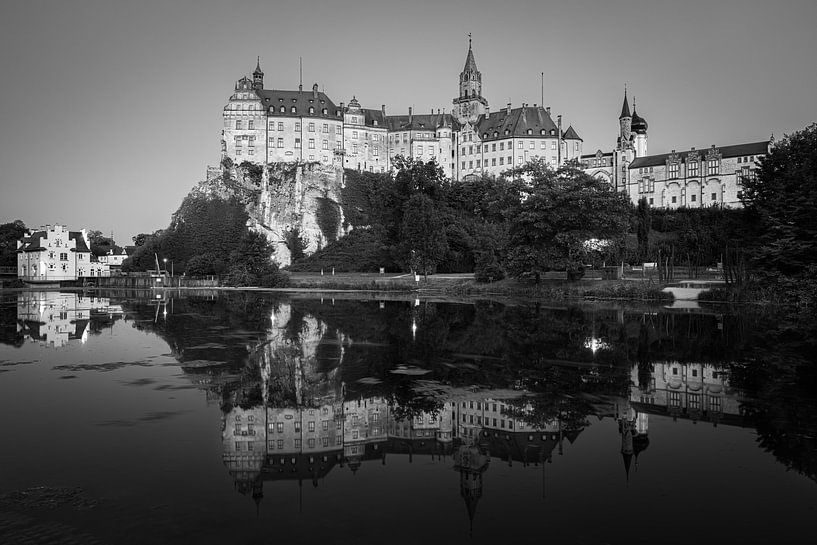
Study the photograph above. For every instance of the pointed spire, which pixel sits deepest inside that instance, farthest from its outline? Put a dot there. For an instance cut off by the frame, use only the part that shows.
(470, 63)
(258, 66)
(625, 109)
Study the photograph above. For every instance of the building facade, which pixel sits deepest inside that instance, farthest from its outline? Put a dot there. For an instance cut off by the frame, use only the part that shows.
(691, 178)
(55, 254)
(266, 126)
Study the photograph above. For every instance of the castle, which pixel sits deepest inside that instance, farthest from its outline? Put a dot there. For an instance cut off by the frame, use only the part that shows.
(265, 126)
(268, 125)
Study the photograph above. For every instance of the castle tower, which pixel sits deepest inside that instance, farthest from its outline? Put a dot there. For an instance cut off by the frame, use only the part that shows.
(625, 121)
(470, 103)
(638, 126)
(258, 76)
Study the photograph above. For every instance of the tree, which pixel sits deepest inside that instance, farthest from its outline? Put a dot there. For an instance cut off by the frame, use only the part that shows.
(139, 239)
(10, 233)
(643, 215)
(782, 203)
(564, 215)
(423, 234)
(296, 242)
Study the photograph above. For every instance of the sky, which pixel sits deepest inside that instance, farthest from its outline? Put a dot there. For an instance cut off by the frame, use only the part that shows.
(110, 111)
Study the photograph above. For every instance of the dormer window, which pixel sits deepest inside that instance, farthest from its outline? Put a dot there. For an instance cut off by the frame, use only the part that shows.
(530, 131)
(293, 110)
(542, 132)
(507, 131)
(311, 109)
(484, 135)
(283, 109)
(324, 111)
(552, 132)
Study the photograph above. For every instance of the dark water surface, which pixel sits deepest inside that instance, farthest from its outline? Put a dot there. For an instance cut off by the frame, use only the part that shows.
(257, 418)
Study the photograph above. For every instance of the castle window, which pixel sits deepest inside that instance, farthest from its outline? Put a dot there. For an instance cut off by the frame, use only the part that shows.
(312, 109)
(553, 145)
(325, 144)
(324, 111)
(674, 199)
(297, 143)
(280, 126)
(493, 147)
(544, 145)
(520, 144)
(311, 127)
(250, 124)
(713, 166)
(298, 127)
(692, 169)
(673, 170)
(693, 197)
(714, 196)
(530, 131)
(311, 143)
(293, 110)
(532, 144)
(280, 142)
(338, 130)
(502, 147)
(238, 124)
(283, 109)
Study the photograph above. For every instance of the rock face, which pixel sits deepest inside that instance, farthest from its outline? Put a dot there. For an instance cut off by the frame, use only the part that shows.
(284, 196)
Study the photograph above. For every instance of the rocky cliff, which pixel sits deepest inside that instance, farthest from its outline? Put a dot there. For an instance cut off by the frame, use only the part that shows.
(280, 197)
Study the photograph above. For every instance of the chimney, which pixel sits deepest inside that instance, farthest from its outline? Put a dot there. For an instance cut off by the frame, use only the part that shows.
(383, 109)
(693, 149)
(315, 91)
(342, 109)
(410, 114)
(508, 109)
(548, 110)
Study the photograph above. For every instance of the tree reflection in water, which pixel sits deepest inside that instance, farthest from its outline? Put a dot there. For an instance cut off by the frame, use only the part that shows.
(510, 382)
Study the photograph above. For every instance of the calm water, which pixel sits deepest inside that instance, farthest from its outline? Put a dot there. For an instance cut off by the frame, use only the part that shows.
(247, 417)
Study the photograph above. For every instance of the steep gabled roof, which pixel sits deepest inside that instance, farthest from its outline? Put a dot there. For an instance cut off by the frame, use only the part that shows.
(419, 122)
(33, 242)
(570, 134)
(516, 123)
(81, 246)
(370, 116)
(737, 150)
(302, 100)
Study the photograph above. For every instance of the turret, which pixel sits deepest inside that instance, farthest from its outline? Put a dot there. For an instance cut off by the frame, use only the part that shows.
(625, 123)
(638, 127)
(258, 76)
(470, 103)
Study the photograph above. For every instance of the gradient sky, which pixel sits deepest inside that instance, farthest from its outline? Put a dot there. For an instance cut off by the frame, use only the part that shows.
(110, 111)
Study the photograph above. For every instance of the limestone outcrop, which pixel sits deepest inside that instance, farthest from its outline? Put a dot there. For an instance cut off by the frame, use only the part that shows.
(280, 197)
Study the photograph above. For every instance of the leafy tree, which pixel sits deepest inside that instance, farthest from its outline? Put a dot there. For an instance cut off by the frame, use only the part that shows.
(252, 264)
(205, 265)
(10, 233)
(423, 234)
(782, 201)
(561, 211)
(295, 242)
(643, 216)
(140, 239)
(100, 244)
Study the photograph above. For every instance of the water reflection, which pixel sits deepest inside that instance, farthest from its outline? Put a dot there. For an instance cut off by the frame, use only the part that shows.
(310, 390)
(56, 319)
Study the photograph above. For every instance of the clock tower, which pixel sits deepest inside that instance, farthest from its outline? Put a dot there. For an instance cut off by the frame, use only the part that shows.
(470, 103)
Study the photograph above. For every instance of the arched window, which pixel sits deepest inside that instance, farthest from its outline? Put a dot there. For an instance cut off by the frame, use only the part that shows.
(282, 109)
(324, 111)
(294, 110)
(311, 109)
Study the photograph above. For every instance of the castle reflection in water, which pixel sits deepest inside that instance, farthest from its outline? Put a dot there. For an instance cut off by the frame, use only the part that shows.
(308, 424)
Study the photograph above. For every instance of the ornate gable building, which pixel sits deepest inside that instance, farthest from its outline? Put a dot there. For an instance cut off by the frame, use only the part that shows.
(267, 125)
(691, 178)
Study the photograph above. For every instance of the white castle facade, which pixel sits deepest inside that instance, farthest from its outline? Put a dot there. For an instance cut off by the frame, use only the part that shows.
(268, 125)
